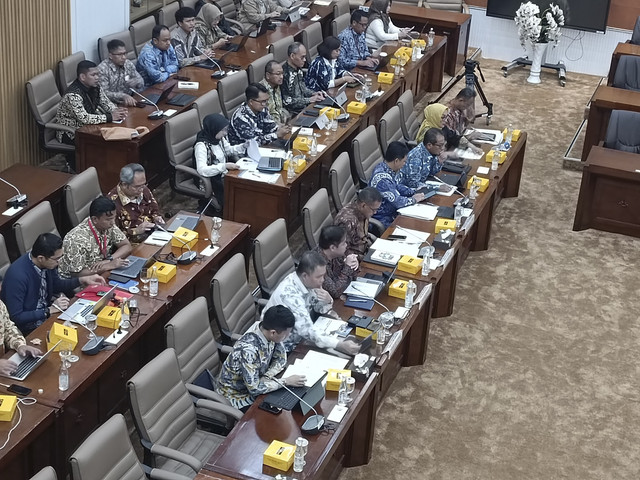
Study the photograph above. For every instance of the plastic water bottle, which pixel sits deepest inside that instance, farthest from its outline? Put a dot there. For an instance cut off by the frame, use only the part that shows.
(426, 261)
(313, 150)
(342, 391)
(414, 53)
(457, 214)
(63, 377)
(291, 168)
(495, 161)
(431, 37)
(411, 293)
(298, 457)
(509, 136)
(153, 282)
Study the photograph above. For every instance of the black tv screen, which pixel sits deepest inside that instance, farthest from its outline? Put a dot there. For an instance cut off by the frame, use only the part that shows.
(590, 15)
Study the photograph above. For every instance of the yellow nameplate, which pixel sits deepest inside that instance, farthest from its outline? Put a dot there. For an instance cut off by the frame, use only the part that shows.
(403, 51)
(398, 288)
(330, 112)
(279, 455)
(502, 156)
(333, 382)
(63, 334)
(298, 165)
(302, 143)
(514, 137)
(356, 107)
(419, 42)
(8, 405)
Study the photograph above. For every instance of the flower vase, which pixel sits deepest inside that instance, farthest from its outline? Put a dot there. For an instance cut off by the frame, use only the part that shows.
(538, 53)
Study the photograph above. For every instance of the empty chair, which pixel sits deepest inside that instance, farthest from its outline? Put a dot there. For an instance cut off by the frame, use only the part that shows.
(272, 257)
(189, 3)
(450, 5)
(340, 7)
(390, 129)
(125, 36)
(141, 32)
(341, 184)
(47, 473)
(316, 214)
(231, 92)
(180, 135)
(207, 104)
(5, 262)
(627, 74)
(107, 454)
(36, 221)
(366, 153)
(311, 38)
(228, 8)
(279, 48)
(255, 70)
(410, 122)
(165, 417)
(623, 132)
(79, 192)
(167, 14)
(234, 307)
(43, 98)
(635, 36)
(67, 68)
(340, 23)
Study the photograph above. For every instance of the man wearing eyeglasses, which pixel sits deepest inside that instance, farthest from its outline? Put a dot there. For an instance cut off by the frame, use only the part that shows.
(424, 161)
(252, 120)
(272, 81)
(353, 46)
(118, 75)
(137, 211)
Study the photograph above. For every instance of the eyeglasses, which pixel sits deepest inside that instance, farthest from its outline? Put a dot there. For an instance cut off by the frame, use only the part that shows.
(374, 210)
(363, 24)
(138, 187)
(118, 54)
(58, 258)
(261, 102)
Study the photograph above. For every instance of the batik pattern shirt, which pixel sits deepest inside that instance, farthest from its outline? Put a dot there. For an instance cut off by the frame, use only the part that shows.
(420, 165)
(188, 46)
(357, 226)
(246, 372)
(454, 120)
(116, 82)
(131, 212)
(245, 124)
(251, 12)
(275, 106)
(81, 249)
(395, 195)
(322, 74)
(295, 94)
(10, 336)
(339, 275)
(155, 65)
(291, 293)
(208, 35)
(353, 47)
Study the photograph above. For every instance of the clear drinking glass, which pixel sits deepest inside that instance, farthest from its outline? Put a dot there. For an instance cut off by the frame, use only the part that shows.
(65, 353)
(144, 278)
(359, 95)
(91, 322)
(351, 386)
(216, 225)
(386, 320)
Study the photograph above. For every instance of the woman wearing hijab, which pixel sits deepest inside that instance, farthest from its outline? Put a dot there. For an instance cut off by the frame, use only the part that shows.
(381, 29)
(432, 119)
(324, 72)
(207, 26)
(212, 152)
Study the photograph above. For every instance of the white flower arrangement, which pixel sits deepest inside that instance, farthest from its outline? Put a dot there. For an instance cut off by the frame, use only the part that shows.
(536, 27)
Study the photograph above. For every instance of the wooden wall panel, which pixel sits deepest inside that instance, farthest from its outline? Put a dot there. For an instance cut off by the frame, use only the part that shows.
(622, 13)
(36, 34)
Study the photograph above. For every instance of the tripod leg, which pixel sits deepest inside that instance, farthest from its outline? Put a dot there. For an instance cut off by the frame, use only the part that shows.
(485, 101)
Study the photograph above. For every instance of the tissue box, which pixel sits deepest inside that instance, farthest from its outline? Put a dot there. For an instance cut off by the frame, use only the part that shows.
(109, 317)
(410, 264)
(298, 165)
(418, 42)
(60, 332)
(330, 112)
(302, 143)
(445, 224)
(8, 405)
(362, 374)
(333, 382)
(279, 455)
(502, 156)
(183, 237)
(398, 288)
(385, 77)
(484, 183)
(443, 240)
(165, 271)
(514, 137)
(356, 107)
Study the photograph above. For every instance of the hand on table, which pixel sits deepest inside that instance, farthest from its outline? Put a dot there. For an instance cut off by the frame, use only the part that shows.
(231, 166)
(62, 302)
(94, 279)
(349, 347)
(105, 265)
(128, 101)
(119, 114)
(418, 197)
(159, 220)
(316, 97)
(25, 350)
(295, 381)
(7, 367)
(283, 131)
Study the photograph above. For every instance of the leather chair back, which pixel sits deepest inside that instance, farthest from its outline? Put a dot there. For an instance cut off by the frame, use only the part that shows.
(340, 7)
(627, 74)
(125, 36)
(228, 9)
(67, 70)
(635, 36)
(311, 38)
(79, 192)
(279, 48)
(47, 473)
(255, 70)
(233, 303)
(180, 135)
(36, 221)
(316, 214)
(366, 153)
(231, 92)
(623, 132)
(340, 23)
(207, 104)
(167, 15)
(5, 261)
(450, 5)
(189, 3)
(107, 454)
(389, 128)
(272, 257)
(410, 122)
(141, 32)
(341, 185)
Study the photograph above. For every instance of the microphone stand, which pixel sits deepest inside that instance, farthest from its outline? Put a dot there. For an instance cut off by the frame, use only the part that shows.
(157, 114)
(220, 73)
(187, 257)
(344, 116)
(17, 200)
(312, 425)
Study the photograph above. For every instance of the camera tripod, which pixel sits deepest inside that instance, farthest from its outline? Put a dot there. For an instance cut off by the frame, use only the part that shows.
(471, 80)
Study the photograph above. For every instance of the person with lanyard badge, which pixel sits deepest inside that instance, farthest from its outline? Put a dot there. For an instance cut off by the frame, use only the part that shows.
(96, 245)
(353, 45)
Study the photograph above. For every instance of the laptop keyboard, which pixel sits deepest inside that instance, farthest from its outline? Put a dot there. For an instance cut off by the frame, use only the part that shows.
(285, 399)
(274, 162)
(25, 366)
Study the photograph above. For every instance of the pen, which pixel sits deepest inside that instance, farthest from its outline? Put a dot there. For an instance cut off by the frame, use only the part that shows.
(57, 307)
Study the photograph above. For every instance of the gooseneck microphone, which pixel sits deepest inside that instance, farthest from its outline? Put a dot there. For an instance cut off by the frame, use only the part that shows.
(187, 257)
(344, 116)
(220, 73)
(16, 200)
(158, 113)
(464, 201)
(366, 296)
(312, 425)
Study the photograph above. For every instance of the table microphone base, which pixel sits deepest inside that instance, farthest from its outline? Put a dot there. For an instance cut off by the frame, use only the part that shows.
(218, 74)
(343, 117)
(93, 346)
(186, 258)
(313, 425)
(155, 115)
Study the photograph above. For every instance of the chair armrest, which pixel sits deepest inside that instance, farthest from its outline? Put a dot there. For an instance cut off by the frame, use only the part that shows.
(176, 455)
(260, 302)
(376, 226)
(57, 126)
(465, 8)
(411, 144)
(202, 392)
(226, 349)
(157, 474)
(194, 173)
(236, 26)
(219, 407)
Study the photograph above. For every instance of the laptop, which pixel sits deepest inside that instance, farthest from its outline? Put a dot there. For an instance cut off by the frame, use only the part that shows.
(190, 222)
(234, 47)
(136, 264)
(159, 97)
(27, 364)
(286, 144)
(382, 63)
(181, 100)
(261, 29)
(284, 399)
(81, 308)
(340, 98)
(292, 16)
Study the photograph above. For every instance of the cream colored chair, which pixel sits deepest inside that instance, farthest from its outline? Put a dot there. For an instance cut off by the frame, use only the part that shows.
(450, 5)
(340, 7)
(635, 36)
(125, 36)
(67, 70)
(279, 48)
(47, 473)
(366, 154)
(231, 92)
(390, 129)
(341, 185)
(340, 23)
(167, 15)
(5, 261)
(141, 32)
(207, 104)
(316, 214)
(255, 70)
(79, 192)
(36, 221)
(228, 9)
(410, 122)
(272, 257)
(311, 38)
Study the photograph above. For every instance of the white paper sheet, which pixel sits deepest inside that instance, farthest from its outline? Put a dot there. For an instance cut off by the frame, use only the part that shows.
(259, 176)
(397, 247)
(412, 235)
(426, 212)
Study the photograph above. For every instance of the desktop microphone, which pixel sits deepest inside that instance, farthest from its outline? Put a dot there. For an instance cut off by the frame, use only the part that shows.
(312, 425)
(187, 257)
(17, 200)
(343, 117)
(155, 115)
(220, 73)
(366, 296)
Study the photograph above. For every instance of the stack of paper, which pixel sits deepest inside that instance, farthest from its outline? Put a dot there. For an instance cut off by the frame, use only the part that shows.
(425, 212)
(259, 176)
(363, 289)
(314, 365)
(397, 247)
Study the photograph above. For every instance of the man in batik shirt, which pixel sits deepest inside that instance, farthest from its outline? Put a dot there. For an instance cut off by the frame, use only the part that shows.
(424, 160)
(354, 217)
(272, 81)
(353, 45)
(341, 269)
(257, 357)
(295, 94)
(118, 75)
